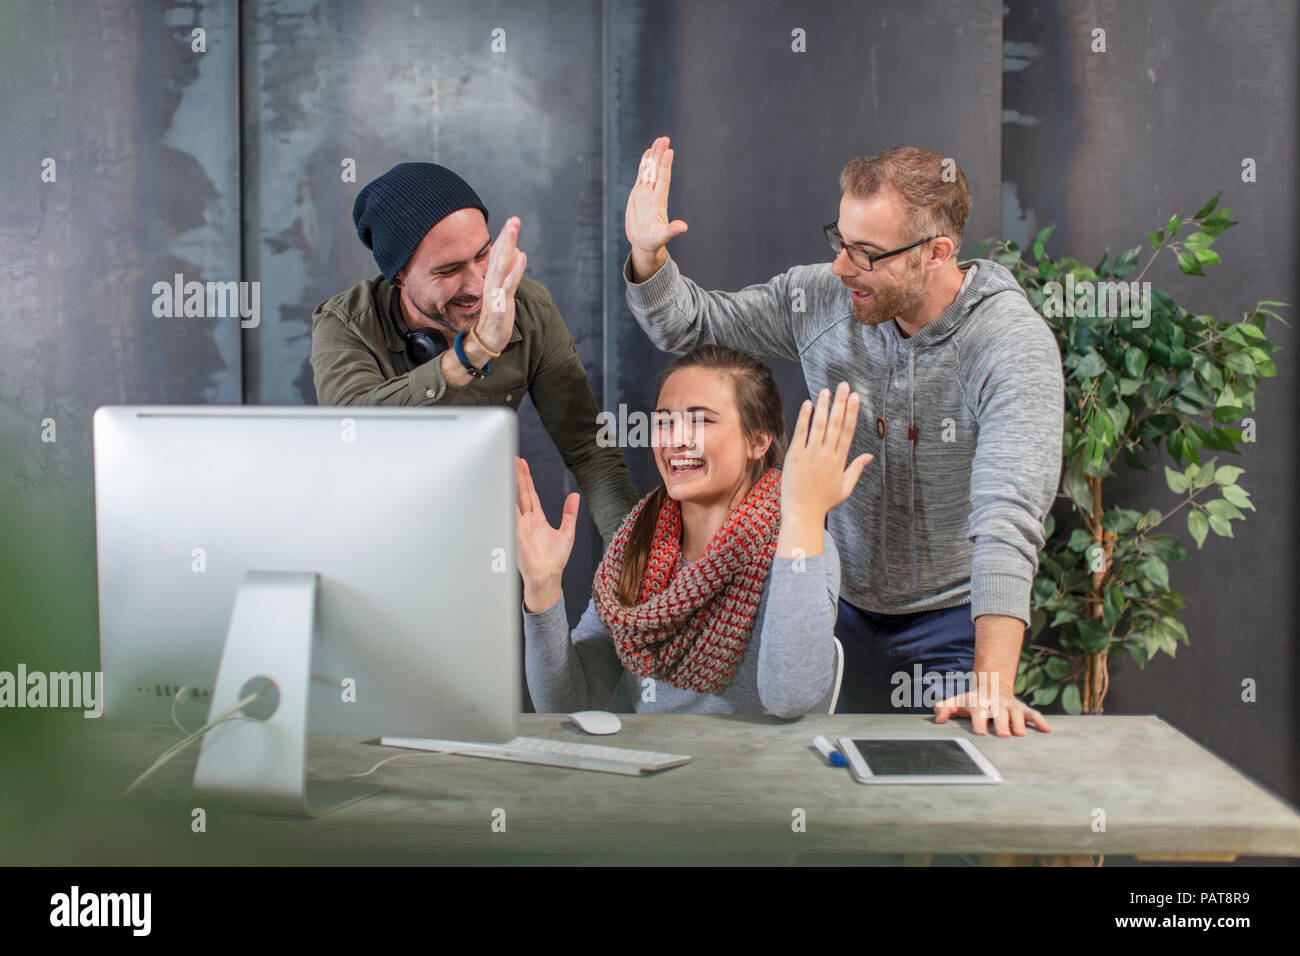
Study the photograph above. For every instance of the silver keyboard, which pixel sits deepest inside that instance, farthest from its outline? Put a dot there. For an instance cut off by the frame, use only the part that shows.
(551, 753)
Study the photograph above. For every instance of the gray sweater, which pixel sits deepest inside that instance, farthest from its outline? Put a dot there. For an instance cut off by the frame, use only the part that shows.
(955, 516)
(787, 669)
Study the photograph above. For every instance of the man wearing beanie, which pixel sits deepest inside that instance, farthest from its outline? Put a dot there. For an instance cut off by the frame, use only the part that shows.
(453, 320)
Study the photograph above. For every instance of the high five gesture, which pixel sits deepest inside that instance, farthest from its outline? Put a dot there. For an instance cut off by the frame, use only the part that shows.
(646, 221)
(814, 478)
(542, 551)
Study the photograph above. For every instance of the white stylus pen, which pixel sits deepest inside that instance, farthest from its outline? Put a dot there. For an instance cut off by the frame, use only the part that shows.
(833, 756)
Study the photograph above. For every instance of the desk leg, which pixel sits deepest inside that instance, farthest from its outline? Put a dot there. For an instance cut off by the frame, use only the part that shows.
(1006, 859)
(917, 859)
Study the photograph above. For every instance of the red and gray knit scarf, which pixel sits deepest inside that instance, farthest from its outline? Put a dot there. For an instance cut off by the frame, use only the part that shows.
(690, 627)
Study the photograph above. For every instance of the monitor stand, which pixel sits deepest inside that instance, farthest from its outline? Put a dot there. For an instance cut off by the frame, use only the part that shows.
(260, 765)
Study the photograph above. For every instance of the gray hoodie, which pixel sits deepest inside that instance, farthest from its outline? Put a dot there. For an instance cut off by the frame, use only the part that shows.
(954, 516)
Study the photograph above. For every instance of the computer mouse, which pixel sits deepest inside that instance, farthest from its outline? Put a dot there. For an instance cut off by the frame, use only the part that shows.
(597, 721)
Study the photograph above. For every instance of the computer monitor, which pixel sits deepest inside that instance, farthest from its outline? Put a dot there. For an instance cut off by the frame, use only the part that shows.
(367, 554)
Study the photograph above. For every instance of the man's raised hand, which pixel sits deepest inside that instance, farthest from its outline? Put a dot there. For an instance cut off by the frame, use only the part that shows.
(506, 264)
(646, 221)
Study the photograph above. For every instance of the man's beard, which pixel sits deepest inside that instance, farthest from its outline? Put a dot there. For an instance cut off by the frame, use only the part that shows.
(442, 318)
(891, 301)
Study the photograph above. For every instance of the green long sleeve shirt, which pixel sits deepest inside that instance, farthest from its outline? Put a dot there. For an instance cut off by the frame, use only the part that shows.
(358, 357)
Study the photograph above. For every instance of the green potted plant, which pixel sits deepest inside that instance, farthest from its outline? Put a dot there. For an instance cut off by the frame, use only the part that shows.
(1140, 369)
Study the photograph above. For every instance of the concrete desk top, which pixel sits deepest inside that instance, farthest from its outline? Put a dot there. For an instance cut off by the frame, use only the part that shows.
(1161, 794)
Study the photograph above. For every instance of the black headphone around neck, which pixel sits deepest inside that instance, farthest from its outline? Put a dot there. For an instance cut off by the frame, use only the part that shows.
(421, 346)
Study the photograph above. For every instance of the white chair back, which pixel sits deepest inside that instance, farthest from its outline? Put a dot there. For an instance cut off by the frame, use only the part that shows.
(839, 674)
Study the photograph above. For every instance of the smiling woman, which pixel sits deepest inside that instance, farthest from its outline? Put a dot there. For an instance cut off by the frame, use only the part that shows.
(719, 591)
(721, 426)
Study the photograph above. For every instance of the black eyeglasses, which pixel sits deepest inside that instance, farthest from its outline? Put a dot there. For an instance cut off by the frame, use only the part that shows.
(857, 255)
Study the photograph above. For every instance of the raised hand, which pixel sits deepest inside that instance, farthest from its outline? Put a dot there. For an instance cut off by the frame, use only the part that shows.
(813, 478)
(506, 265)
(541, 551)
(646, 220)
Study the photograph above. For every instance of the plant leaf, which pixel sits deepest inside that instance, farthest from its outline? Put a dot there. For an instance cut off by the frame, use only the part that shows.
(1076, 487)
(1189, 264)
(1218, 222)
(1240, 362)
(1156, 570)
(1093, 635)
(1220, 526)
(1090, 365)
(1203, 477)
(1045, 695)
(1208, 207)
(1079, 540)
(1126, 262)
(1222, 508)
(1228, 474)
(1238, 496)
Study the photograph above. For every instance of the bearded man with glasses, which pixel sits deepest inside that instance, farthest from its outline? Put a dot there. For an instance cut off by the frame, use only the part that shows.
(962, 398)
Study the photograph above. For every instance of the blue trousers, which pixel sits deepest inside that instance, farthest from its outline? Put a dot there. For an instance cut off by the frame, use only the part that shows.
(898, 663)
(878, 648)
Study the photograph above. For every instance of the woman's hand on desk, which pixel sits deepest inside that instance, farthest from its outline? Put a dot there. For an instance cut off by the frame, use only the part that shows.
(542, 551)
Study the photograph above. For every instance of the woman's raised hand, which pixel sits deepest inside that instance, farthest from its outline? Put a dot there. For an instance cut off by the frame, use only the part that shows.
(542, 551)
(813, 478)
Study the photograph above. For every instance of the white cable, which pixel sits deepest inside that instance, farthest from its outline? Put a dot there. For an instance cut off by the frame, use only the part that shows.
(176, 699)
(229, 715)
(176, 748)
(425, 753)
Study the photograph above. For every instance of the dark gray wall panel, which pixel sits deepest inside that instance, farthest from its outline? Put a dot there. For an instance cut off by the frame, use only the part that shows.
(1108, 146)
(383, 83)
(143, 133)
(761, 134)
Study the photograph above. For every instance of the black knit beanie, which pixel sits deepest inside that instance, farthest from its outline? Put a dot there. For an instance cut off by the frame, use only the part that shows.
(396, 211)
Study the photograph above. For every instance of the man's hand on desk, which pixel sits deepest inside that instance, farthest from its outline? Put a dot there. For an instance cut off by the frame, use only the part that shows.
(998, 638)
(1009, 714)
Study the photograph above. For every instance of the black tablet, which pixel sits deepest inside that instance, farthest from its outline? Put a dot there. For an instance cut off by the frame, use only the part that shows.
(916, 760)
